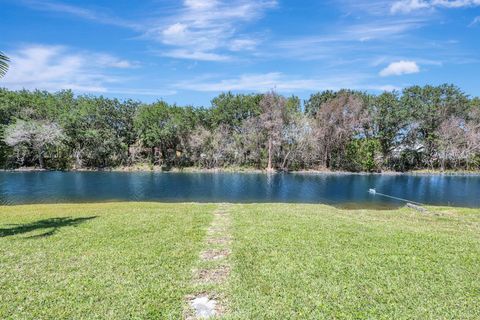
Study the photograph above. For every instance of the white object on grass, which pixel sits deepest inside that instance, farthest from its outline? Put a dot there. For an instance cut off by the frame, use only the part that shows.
(204, 307)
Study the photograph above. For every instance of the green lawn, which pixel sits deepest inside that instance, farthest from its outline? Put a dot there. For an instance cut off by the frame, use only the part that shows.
(135, 261)
(104, 261)
(316, 262)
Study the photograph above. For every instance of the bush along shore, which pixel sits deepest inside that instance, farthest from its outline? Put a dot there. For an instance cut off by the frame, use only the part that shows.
(421, 128)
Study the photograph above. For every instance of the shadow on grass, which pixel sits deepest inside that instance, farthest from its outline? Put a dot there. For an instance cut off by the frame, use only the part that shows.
(54, 224)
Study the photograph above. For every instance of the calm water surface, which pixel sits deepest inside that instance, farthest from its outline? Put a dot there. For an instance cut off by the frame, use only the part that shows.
(337, 189)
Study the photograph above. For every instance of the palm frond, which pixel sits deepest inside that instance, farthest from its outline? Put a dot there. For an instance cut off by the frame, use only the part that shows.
(3, 64)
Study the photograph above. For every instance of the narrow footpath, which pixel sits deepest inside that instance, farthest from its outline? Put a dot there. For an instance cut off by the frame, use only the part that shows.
(211, 274)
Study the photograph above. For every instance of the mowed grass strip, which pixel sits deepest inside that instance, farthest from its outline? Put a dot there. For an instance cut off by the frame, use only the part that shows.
(319, 262)
(98, 261)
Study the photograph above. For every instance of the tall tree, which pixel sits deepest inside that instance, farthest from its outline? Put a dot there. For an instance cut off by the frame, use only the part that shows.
(36, 136)
(272, 120)
(92, 127)
(163, 126)
(125, 126)
(298, 143)
(390, 118)
(232, 109)
(430, 106)
(338, 120)
(315, 102)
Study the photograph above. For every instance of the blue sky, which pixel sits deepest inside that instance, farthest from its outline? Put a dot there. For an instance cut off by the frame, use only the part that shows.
(188, 51)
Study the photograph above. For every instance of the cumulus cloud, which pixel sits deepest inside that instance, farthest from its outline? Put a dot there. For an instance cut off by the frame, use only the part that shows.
(55, 68)
(399, 68)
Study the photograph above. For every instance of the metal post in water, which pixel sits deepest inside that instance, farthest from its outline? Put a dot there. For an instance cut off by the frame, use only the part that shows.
(410, 204)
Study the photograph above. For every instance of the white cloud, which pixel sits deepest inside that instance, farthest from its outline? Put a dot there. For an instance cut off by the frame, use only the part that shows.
(55, 68)
(201, 4)
(388, 88)
(175, 30)
(341, 44)
(243, 44)
(142, 92)
(455, 3)
(207, 29)
(475, 21)
(381, 29)
(108, 61)
(407, 6)
(280, 82)
(195, 55)
(93, 15)
(251, 82)
(399, 68)
(376, 30)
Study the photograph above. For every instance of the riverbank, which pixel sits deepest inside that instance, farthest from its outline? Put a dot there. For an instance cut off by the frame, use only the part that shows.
(135, 260)
(233, 169)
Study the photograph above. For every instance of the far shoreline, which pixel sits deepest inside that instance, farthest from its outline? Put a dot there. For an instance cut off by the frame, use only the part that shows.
(159, 169)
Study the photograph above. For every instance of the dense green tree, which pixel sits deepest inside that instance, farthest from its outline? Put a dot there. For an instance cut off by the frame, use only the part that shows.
(390, 117)
(92, 127)
(161, 126)
(231, 110)
(293, 105)
(361, 155)
(429, 107)
(125, 124)
(315, 102)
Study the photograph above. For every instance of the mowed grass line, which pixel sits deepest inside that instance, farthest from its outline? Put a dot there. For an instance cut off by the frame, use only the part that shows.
(98, 261)
(319, 262)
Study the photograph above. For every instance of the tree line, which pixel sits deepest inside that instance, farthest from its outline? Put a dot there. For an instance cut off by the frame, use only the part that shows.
(429, 127)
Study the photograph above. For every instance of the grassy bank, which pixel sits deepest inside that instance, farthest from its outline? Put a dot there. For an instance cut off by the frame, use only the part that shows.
(135, 260)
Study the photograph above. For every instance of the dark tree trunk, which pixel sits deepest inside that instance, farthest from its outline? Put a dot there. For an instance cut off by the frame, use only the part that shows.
(41, 160)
